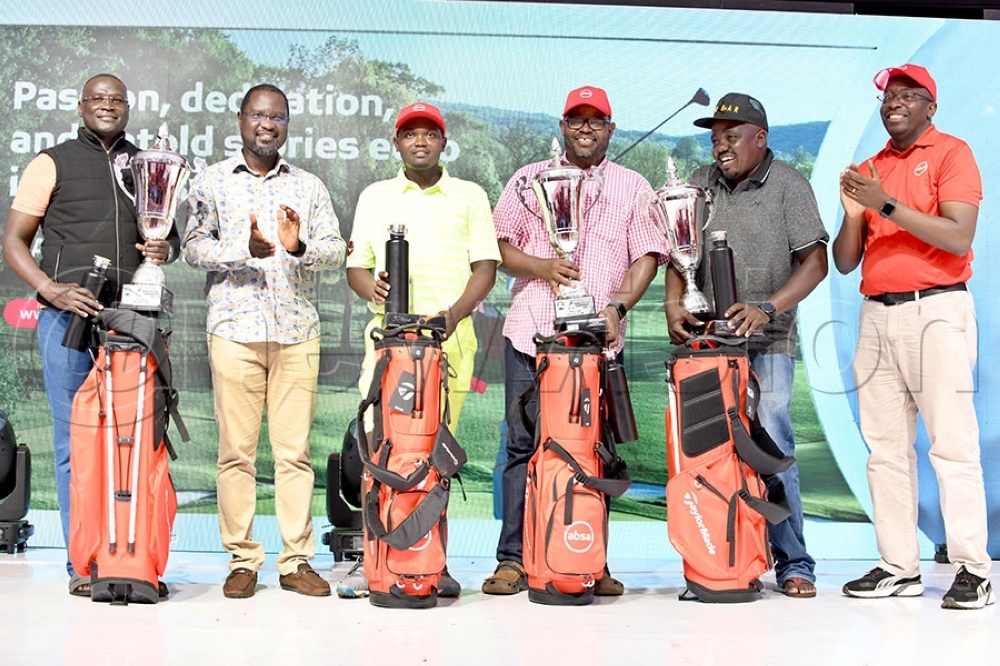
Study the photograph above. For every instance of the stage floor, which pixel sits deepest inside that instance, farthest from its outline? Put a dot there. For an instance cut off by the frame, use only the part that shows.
(43, 624)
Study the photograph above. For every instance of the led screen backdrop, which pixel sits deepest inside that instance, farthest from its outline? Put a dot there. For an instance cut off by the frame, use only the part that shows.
(500, 71)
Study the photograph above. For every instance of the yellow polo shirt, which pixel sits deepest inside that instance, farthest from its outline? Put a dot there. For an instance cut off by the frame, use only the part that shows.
(448, 227)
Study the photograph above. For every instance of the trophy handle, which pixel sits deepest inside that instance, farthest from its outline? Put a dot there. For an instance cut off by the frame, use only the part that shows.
(192, 173)
(520, 185)
(594, 174)
(711, 208)
(123, 162)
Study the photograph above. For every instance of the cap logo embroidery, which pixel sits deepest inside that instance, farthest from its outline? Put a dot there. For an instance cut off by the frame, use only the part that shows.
(419, 107)
(586, 93)
(920, 169)
(727, 108)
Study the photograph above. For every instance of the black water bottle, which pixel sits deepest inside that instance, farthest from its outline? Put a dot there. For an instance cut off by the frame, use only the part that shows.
(618, 401)
(397, 265)
(723, 273)
(76, 333)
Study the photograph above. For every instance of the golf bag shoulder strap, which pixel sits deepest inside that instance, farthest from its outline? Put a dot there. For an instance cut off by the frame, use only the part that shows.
(129, 325)
(415, 526)
(611, 487)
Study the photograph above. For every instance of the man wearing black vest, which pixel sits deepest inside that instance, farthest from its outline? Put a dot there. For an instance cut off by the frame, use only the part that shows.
(70, 192)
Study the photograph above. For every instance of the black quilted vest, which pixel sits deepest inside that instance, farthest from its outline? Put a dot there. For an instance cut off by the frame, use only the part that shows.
(89, 214)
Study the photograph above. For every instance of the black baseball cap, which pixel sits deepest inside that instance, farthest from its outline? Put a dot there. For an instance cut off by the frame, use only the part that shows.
(739, 107)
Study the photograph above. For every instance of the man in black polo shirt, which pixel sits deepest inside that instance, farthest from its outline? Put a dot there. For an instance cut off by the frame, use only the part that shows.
(770, 215)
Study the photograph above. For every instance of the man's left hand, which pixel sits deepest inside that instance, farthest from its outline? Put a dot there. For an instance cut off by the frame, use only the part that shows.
(449, 323)
(611, 314)
(288, 228)
(744, 319)
(156, 250)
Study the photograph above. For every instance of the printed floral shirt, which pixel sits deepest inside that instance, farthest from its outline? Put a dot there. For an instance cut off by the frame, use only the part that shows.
(260, 300)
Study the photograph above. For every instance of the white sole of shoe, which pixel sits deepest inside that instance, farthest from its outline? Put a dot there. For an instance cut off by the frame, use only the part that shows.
(911, 590)
(969, 605)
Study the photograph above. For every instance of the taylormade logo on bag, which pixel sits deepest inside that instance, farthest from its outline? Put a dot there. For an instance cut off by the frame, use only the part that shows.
(691, 500)
(579, 536)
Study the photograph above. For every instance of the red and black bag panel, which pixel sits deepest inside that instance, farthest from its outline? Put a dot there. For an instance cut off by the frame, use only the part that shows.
(123, 503)
(716, 500)
(565, 535)
(408, 468)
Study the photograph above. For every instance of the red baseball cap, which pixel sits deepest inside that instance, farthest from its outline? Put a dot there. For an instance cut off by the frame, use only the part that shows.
(915, 73)
(420, 110)
(588, 96)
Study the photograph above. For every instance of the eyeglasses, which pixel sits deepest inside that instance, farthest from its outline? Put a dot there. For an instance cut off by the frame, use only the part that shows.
(429, 135)
(105, 100)
(258, 117)
(904, 96)
(595, 124)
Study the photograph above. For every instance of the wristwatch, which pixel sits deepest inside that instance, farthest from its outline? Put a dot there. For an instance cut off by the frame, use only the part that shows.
(620, 307)
(888, 208)
(300, 250)
(767, 308)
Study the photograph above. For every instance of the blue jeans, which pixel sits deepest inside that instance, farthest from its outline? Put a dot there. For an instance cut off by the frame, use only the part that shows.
(64, 371)
(519, 372)
(776, 373)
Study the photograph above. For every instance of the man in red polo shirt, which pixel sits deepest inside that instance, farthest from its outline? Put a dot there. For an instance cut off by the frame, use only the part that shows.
(909, 219)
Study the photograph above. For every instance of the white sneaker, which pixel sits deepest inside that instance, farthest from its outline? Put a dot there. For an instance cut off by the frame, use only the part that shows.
(354, 585)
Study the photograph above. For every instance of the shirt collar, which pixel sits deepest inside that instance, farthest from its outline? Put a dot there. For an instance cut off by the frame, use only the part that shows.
(928, 138)
(241, 165)
(757, 178)
(443, 185)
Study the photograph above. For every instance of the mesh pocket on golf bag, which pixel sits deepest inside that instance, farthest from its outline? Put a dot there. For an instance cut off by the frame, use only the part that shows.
(703, 413)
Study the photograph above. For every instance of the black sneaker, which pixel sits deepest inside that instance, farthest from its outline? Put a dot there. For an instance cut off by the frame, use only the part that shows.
(969, 591)
(880, 583)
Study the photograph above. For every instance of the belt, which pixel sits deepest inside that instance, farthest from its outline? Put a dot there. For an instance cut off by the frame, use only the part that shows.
(895, 298)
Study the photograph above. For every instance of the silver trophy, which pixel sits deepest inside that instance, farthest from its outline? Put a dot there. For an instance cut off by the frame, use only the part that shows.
(159, 176)
(677, 209)
(562, 192)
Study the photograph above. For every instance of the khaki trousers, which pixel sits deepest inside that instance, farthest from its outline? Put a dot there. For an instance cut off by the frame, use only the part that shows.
(247, 377)
(918, 357)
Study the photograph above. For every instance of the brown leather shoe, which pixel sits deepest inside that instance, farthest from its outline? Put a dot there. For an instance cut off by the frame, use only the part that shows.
(240, 584)
(608, 586)
(509, 578)
(305, 581)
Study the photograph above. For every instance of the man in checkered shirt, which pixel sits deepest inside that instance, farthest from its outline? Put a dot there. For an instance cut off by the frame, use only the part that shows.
(617, 258)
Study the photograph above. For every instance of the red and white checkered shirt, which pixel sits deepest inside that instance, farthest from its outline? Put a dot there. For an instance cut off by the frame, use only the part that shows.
(614, 236)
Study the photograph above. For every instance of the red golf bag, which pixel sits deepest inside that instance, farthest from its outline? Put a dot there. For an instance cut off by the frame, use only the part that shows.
(565, 509)
(408, 468)
(122, 501)
(719, 461)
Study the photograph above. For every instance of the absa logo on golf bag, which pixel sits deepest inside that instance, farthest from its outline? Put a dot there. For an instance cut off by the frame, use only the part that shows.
(579, 536)
(691, 501)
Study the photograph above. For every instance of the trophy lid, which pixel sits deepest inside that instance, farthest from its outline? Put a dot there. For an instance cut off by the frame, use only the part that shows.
(677, 188)
(160, 152)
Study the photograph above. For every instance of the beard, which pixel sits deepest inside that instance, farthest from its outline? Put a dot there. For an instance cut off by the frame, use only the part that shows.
(263, 151)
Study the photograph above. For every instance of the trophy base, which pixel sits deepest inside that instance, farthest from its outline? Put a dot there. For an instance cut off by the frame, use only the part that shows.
(574, 307)
(147, 298)
(596, 325)
(404, 319)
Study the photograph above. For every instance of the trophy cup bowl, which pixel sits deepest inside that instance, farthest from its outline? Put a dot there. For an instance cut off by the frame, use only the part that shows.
(562, 193)
(159, 176)
(676, 210)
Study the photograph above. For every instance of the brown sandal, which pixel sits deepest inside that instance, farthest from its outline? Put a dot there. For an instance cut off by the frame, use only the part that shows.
(798, 587)
(509, 578)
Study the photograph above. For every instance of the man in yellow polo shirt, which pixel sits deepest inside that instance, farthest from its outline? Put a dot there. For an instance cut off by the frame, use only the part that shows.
(453, 261)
